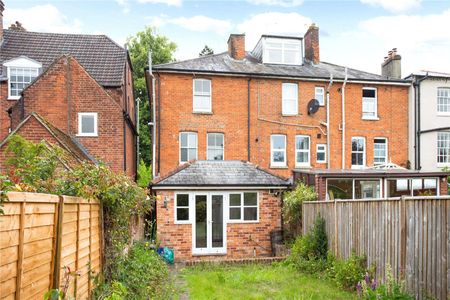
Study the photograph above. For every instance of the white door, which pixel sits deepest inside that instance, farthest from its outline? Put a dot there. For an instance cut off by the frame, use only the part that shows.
(209, 228)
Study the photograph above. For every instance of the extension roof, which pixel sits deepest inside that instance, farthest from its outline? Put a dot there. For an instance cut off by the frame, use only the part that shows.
(102, 58)
(215, 173)
(250, 66)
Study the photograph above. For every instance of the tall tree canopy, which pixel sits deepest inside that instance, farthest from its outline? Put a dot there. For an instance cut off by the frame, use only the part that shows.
(206, 51)
(162, 50)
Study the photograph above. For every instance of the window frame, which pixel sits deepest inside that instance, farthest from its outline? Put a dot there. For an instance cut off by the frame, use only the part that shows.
(175, 206)
(303, 164)
(284, 112)
(274, 164)
(410, 184)
(324, 152)
(21, 62)
(386, 157)
(363, 152)
(438, 105)
(283, 50)
(80, 117)
(194, 109)
(208, 147)
(354, 179)
(242, 206)
(323, 94)
(8, 74)
(375, 116)
(180, 147)
(445, 163)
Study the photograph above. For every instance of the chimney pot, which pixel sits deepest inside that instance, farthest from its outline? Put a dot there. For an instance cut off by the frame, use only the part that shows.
(236, 46)
(312, 49)
(391, 66)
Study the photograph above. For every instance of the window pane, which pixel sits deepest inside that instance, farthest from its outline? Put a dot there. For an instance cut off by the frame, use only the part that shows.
(302, 142)
(278, 142)
(398, 187)
(290, 90)
(320, 156)
(235, 199)
(250, 213)
(184, 154)
(368, 93)
(278, 156)
(182, 200)
(184, 138)
(235, 213)
(87, 124)
(274, 56)
(198, 87)
(182, 214)
(192, 140)
(302, 157)
(206, 86)
(250, 199)
(192, 154)
(340, 188)
(367, 189)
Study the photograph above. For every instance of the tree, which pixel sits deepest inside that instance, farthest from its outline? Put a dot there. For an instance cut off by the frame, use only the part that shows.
(206, 51)
(162, 50)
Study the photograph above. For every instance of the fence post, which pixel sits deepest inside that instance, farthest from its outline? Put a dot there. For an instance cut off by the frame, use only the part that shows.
(57, 246)
(336, 239)
(403, 224)
(20, 254)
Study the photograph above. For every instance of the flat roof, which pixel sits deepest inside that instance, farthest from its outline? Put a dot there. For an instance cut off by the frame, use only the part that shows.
(365, 173)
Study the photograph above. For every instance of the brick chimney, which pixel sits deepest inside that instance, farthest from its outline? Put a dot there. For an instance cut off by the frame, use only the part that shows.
(236, 46)
(311, 39)
(391, 66)
(2, 8)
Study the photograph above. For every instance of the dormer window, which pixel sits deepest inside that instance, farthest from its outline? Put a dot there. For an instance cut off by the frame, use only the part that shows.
(282, 51)
(21, 72)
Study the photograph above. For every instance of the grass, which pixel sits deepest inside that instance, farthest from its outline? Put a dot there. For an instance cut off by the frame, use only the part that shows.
(258, 282)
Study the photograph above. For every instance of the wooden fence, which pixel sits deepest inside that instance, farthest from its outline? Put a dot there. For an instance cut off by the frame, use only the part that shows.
(410, 234)
(40, 235)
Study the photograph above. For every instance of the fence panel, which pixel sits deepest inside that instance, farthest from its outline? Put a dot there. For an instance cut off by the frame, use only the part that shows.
(40, 234)
(410, 234)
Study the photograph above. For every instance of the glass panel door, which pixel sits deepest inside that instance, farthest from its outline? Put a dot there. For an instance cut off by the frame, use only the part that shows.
(201, 230)
(217, 220)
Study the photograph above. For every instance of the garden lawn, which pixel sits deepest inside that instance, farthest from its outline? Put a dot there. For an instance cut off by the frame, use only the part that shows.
(258, 282)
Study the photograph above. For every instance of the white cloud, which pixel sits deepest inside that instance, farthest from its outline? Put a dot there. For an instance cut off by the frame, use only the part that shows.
(167, 2)
(195, 23)
(273, 23)
(394, 5)
(125, 6)
(283, 3)
(423, 41)
(43, 18)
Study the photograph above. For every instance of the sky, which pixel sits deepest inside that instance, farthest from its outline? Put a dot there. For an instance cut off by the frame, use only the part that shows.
(353, 33)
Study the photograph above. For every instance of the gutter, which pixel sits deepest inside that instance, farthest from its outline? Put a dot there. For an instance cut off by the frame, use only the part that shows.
(288, 77)
(417, 121)
(343, 119)
(434, 129)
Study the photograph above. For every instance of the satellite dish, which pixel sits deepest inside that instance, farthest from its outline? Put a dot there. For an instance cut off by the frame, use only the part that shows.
(313, 106)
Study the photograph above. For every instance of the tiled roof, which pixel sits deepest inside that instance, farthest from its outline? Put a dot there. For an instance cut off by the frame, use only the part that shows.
(220, 173)
(102, 58)
(223, 63)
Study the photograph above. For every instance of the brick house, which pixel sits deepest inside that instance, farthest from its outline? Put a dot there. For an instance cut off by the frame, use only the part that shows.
(279, 108)
(80, 84)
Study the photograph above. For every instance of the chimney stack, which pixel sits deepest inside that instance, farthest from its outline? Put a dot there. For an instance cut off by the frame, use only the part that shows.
(236, 46)
(312, 49)
(2, 8)
(391, 66)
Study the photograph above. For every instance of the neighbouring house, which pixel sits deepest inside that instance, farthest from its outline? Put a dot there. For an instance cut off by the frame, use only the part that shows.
(429, 115)
(80, 85)
(331, 184)
(278, 108)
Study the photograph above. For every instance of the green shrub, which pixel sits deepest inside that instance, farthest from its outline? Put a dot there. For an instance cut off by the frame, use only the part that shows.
(309, 252)
(347, 273)
(292, 207)
(144, 175)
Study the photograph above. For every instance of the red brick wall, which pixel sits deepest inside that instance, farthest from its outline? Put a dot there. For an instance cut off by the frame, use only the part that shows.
(242, 238)
(229, 107)
(5, 104)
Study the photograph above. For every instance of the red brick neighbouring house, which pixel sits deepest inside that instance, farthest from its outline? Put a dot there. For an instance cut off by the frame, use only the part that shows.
(80, 84)
(278, 107)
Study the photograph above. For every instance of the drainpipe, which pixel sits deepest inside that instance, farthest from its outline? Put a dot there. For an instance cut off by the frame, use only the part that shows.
(248, 119)
(153, 120)
(328, 121)
(417, 127)
(343, 118)
(138, 156)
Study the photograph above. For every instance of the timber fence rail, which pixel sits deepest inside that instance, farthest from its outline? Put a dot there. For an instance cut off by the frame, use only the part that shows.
(40, 234)
(411, 234)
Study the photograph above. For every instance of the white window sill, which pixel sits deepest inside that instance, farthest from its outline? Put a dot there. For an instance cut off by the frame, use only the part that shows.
(303, 166)
(87, 135)
(443, 165)
(321, 161)
(443, 114)
(370, 118)
(289, 115)
(358, 167)
(242, 222)
(278, 167)
(182, 222)
(202, 112)
(222, 253)
(13, 98)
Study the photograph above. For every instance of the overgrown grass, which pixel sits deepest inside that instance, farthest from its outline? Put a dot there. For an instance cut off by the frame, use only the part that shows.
(277, 281)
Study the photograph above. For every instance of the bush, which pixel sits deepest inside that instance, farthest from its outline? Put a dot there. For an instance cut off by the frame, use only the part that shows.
(144, 175)
(292, 207)
(347, 273)
(368, 288)
(309, 252)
